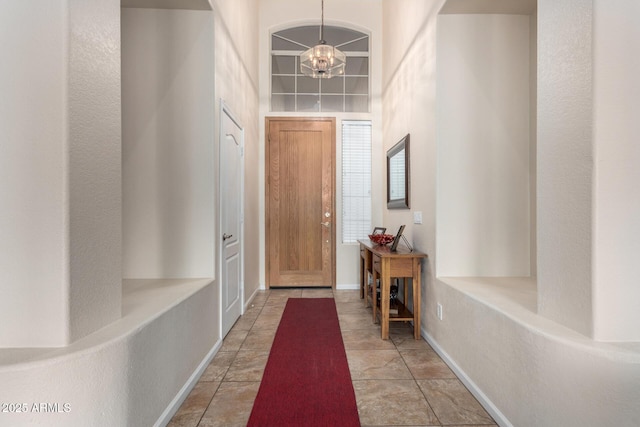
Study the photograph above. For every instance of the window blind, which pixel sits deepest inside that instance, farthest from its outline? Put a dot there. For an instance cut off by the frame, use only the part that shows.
(356, 180)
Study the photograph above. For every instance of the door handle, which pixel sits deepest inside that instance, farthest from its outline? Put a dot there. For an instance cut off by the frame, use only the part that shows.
(226, 236)
(326, 224)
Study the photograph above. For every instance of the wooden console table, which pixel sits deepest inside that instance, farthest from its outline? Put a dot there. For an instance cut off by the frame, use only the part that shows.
(380, 262)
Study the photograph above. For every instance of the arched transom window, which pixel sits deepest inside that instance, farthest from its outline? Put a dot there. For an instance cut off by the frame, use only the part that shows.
(292, 91)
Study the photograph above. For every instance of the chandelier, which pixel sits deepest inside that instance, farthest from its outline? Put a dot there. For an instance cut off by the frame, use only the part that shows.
(322, 61)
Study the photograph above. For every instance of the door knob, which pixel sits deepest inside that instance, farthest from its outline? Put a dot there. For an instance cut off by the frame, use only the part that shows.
(226, 236)
(326, 224)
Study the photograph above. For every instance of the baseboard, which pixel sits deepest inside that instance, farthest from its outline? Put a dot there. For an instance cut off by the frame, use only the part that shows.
(173, 407)
(248, 301)
(473, 388)
(342, 287)
(347, 287)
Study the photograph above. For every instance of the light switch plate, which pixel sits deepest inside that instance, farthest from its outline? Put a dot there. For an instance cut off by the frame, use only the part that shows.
(417, 217)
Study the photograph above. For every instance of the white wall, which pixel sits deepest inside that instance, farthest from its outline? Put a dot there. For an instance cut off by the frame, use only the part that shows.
(167, 4)
(533, 142)
(565, 163)
(32, 189)
(617, 175)
(94, 165)
(125, 374)
(65, 163)
(535, 372)
(483, 86)
(409, 106)
(508, 7)
(236, 70)
(363, 15)
(168, 143)
(66, 144)
(60, 219)
(525, 366)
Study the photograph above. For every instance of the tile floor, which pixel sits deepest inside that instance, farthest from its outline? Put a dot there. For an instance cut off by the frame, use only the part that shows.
(400, 381)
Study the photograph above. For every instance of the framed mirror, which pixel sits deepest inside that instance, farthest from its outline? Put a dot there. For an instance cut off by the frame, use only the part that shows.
(398, 175)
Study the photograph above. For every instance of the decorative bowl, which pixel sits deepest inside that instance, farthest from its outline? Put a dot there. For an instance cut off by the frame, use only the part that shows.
(381, 239)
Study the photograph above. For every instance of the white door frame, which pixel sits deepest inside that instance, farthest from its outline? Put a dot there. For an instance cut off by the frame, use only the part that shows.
(225, 110)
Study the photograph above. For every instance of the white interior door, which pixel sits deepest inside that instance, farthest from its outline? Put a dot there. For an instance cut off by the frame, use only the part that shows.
(231, 218)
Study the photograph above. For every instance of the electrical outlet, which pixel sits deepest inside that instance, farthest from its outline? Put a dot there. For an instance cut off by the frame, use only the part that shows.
(439, 311)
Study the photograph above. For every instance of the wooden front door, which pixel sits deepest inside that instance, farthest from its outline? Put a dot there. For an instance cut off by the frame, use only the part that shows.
(300, 223)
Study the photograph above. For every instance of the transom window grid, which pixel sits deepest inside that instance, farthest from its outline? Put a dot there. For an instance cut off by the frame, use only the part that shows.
(292, 91)
(356, 180)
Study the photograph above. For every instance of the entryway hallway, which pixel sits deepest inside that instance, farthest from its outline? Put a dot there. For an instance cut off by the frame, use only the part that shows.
(400, 381)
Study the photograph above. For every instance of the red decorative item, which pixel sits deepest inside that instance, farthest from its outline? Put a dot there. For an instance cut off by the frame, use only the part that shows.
(381, 239)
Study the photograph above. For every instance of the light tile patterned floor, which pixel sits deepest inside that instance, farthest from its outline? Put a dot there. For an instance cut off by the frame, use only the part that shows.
(400, 381)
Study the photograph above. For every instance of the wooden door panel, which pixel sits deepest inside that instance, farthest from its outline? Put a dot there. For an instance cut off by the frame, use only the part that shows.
(301, 200)
(301, 186)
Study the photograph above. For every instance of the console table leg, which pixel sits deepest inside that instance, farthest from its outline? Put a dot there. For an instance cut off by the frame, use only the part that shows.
(416, 298)
(374, 296)
(385, 290)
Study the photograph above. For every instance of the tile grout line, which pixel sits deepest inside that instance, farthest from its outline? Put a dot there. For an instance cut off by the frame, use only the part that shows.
(208, 404)
(278, 303)
(222, 380)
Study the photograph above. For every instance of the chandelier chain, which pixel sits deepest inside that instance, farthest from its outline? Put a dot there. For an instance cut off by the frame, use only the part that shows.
(322, 22)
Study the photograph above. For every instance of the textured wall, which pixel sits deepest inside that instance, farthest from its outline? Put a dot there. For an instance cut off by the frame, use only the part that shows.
(33, 237)
(60, 221)
(94, 165)
(409, 106)
(127, 373)
(483, 145)
(565, 163)
(168, 143)
(617, 178)
(536, 372)
(525, 365)
(236, 70)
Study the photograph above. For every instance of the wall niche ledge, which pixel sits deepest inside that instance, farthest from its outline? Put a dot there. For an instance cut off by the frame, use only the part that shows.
(516, 298)
(492, 337)
(167, 4)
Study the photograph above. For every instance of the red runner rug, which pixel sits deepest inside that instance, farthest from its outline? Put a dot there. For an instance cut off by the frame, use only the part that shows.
(306, 381)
